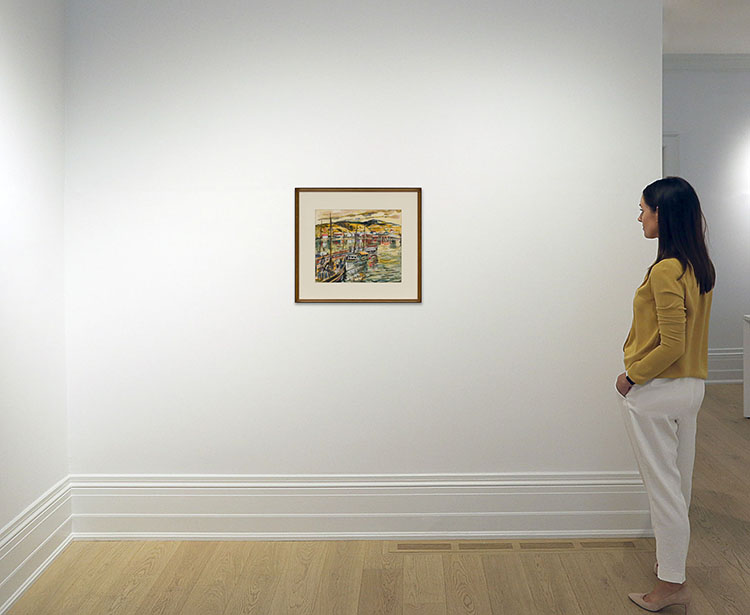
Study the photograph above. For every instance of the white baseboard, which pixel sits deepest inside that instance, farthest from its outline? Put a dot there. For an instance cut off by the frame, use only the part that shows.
(359, 507)
(30, 542)
(725, 365)
(706, 61)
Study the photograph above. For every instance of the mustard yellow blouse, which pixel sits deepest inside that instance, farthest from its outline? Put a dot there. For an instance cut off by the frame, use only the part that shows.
(669, 334)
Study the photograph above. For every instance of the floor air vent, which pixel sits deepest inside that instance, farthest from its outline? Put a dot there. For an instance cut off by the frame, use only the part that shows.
(521, 546)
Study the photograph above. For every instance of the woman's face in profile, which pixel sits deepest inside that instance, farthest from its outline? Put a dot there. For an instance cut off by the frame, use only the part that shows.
(649, 218)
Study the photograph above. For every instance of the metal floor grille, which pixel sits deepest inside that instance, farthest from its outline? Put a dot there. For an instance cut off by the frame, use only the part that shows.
(520, 546)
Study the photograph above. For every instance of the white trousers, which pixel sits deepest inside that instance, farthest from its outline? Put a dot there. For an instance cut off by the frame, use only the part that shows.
(660, 417)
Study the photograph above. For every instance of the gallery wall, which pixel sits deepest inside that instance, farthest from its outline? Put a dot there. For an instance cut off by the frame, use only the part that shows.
(705, 108)
(530, 127)
(33, 425)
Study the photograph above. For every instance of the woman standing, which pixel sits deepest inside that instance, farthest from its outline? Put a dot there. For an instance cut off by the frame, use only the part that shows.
(666, 363)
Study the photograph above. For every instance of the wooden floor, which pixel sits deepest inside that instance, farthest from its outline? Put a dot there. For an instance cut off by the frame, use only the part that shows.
(375, 577)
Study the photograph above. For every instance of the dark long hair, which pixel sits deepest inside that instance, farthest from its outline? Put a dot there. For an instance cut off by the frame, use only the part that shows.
(682, 228)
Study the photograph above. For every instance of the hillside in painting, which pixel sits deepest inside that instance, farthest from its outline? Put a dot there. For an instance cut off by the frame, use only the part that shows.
(371, 226)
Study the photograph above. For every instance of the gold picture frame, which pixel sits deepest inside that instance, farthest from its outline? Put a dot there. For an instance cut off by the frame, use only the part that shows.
(358, 245)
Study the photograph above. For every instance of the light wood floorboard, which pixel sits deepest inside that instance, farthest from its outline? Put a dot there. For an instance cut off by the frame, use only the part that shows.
(373, 578)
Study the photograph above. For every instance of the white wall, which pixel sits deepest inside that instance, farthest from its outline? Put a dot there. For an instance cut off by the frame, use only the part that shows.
(531, 127)
(33, 426)
(707, 107)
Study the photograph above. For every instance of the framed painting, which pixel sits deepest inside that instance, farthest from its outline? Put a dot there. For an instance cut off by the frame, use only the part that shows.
(358, 245)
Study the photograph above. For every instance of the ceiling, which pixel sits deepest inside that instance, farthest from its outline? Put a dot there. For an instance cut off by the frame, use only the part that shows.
(707, 26)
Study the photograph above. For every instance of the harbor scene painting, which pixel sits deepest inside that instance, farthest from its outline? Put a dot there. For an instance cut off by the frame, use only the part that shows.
(357, 245)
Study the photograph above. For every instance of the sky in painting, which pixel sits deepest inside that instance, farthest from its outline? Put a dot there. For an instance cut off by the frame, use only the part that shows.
(393, 216)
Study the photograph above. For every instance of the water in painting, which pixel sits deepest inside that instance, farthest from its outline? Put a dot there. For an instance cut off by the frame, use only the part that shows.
(357, 245)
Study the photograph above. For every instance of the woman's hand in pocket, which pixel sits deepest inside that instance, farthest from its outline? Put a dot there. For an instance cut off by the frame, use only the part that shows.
(622, 385)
